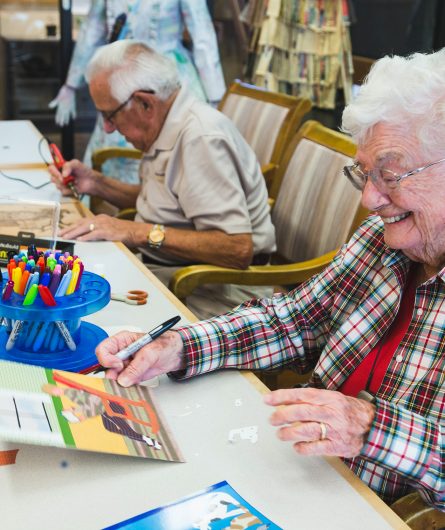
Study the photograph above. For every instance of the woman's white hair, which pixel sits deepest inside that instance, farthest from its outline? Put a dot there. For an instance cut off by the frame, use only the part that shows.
(402, 91)
(134, 66)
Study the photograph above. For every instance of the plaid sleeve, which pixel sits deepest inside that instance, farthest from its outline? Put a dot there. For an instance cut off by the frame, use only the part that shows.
(289, 329)
(251, 337)
(410, 445)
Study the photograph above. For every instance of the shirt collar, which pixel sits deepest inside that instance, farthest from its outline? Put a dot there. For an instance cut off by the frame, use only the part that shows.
(174, 122)
(397, 261)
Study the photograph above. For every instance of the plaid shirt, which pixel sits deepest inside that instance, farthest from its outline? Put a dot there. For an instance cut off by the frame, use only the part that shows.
(331, 323)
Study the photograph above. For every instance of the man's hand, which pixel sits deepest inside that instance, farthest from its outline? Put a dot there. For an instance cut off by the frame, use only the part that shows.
(85, 178)
(165, 354)
(105, 227)
(301, 412)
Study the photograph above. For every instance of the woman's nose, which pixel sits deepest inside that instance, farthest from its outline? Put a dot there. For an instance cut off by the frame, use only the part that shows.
(373, 198)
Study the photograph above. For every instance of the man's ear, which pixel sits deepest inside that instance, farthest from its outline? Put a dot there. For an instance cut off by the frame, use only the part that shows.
(144, 99)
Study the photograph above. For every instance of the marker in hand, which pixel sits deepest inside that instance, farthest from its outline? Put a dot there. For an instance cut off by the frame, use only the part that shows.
(59, 161)
(143, 341)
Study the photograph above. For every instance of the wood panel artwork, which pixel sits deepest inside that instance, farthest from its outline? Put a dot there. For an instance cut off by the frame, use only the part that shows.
(38, 218)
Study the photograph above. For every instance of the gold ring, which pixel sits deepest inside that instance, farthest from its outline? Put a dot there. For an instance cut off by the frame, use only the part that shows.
(324, 431)
(91, 227)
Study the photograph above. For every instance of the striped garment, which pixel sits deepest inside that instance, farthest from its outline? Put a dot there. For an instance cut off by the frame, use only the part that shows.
(331, 323)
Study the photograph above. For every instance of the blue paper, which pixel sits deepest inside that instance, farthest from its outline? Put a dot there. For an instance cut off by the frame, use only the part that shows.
(215, 508)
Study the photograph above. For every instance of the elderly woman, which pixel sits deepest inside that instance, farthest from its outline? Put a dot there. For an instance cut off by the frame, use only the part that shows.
(372, 324)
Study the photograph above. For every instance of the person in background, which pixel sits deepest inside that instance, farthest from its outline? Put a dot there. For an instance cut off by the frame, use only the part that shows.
(202, 196)
(371, 326)
(161, 25)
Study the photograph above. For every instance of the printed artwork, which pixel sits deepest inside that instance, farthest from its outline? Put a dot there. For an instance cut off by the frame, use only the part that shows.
(64, 409)
(216, 508)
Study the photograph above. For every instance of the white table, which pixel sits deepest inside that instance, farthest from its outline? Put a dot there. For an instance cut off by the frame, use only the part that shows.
(23, 154)
(124, 272)
(21, 145)
(53, 488)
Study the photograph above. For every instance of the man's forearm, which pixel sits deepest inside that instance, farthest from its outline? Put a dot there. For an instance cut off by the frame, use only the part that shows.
(119, 193)
(212, 246)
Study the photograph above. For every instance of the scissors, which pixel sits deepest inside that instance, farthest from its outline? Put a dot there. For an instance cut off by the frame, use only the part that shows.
(131, 297)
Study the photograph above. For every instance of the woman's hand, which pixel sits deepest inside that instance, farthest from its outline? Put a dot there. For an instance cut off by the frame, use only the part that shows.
(321, 422)
(165, 354)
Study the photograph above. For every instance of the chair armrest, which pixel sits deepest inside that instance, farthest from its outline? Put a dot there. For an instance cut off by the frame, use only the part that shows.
(269, 172)
(184, 281)
(417, 514)
(102, 155)
(127, 214)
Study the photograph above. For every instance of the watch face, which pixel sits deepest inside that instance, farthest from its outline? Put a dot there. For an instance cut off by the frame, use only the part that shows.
(156, 236)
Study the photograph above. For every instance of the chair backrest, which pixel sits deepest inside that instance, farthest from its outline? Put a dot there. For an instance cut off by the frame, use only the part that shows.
(317, 208)
(267, 120)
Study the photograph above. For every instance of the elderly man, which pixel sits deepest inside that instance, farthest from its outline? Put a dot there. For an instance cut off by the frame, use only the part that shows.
(371, 326)
(202, 197)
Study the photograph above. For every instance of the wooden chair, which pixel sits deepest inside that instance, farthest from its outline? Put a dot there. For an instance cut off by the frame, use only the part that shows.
(417, 514)
(362, 65)
(98, 158)
(267, 120)
(316, 211)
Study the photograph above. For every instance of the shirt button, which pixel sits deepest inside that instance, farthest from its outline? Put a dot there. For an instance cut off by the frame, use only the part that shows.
(419, 312)
(399, 358)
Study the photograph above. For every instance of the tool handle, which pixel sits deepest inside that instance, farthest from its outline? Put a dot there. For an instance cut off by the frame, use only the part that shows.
(57, 156)
(68, 180)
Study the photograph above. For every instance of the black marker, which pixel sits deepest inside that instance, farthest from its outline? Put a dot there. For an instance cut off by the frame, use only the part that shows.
(145, 339)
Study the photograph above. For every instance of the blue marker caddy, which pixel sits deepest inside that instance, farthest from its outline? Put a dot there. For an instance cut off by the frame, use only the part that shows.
(40, 341)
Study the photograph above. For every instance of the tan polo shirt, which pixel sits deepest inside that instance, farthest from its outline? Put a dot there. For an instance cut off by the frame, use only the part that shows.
(200, 174)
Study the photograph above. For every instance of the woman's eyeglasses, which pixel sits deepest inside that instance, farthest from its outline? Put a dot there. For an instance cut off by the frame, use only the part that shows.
(381, 178)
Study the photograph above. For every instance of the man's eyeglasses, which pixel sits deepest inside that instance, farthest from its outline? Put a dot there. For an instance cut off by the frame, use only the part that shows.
(381, 178)
(108, 116)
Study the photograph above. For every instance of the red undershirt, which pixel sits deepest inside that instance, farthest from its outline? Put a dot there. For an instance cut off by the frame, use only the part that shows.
(357, 380)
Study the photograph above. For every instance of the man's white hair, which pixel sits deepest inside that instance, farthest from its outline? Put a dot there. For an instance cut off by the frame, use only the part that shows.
(134, 66)
(402, 91)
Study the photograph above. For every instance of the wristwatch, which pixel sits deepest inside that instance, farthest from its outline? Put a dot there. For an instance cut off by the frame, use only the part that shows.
(156, 236)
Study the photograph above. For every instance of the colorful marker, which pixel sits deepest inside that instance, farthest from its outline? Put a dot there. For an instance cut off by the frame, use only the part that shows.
(66, 335)
(63, 286)
(31, 294)
(47, 297)
(7, 292)
(14, 334)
